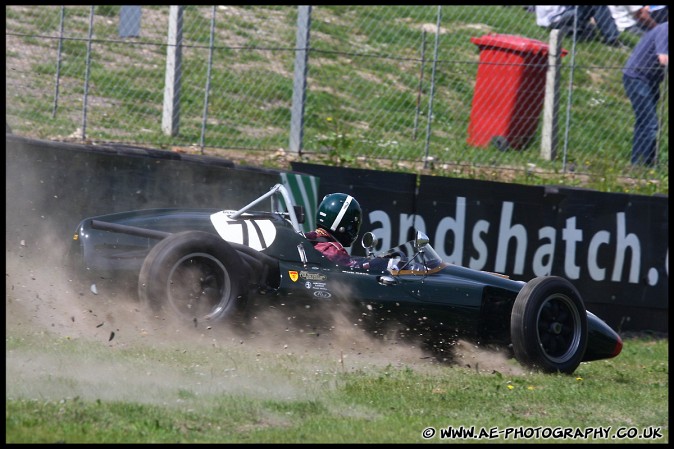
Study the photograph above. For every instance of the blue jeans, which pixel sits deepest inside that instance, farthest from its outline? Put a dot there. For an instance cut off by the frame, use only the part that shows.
(644, 98)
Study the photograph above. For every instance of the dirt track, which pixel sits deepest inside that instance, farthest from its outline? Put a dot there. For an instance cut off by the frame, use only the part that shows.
(69, 341)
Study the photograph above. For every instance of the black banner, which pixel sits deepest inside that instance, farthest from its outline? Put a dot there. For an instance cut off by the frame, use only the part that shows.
(613, 247)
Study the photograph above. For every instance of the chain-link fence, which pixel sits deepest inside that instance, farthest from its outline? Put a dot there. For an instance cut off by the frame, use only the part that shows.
(421, 84)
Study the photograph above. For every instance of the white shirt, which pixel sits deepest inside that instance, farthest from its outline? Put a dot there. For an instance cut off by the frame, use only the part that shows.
(623, 15)
(545, 14)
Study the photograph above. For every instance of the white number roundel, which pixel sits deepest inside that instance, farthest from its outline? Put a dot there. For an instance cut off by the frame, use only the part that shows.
(256, 233)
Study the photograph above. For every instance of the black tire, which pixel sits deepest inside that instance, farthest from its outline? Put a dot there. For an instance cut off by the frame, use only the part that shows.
(548, 325)
(195, 276)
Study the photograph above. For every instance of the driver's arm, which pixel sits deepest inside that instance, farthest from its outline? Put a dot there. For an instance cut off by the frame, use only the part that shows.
(381, 264)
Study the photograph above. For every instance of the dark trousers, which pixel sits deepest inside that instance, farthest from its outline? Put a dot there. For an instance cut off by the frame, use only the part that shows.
(644, 98)
(601, 14)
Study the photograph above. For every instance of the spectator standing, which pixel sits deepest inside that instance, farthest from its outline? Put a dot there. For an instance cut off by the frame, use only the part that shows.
(635, 19)
(660, 13)
(642, 75)
(563, 17)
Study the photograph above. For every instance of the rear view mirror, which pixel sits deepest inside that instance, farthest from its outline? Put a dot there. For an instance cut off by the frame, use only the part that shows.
(421, 240)
(369, 241)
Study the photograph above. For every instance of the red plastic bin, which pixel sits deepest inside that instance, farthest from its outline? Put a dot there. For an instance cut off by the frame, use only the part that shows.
(509, 91)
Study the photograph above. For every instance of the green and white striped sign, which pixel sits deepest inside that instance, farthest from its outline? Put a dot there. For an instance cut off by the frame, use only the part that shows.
(303, 191)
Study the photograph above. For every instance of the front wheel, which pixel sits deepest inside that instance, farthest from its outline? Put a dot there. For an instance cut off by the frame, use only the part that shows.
(548, 325)
(194, 275)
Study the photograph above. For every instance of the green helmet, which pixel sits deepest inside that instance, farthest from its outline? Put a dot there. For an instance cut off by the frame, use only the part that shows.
(340, 215)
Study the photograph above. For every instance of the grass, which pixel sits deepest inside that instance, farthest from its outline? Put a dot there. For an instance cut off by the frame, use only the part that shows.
(320, 401)
(361, 106)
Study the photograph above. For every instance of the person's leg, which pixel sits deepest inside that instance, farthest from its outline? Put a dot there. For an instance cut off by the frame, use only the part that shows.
(564, 19)
(605, 23)
(566, 22)
(644, 99)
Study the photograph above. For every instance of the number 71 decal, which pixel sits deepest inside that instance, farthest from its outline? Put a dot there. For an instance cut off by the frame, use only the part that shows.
(257, 234)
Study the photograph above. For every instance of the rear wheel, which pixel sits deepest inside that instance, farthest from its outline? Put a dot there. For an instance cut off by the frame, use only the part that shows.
(195, 276)
(548, 325)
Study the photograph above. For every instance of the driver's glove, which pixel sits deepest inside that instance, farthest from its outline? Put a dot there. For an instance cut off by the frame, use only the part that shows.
(393, 264)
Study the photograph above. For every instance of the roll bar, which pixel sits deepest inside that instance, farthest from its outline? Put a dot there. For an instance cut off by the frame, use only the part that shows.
(278, 188)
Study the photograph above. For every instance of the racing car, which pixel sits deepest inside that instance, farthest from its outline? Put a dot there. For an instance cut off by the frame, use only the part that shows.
(211, 266)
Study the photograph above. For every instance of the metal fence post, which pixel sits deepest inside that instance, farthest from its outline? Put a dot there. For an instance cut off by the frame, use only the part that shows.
(208, 81)
(430, 100)
(171, 112)
(59, 55)
(87, 74)
(421, 83)
(551, 102)
(300, 78)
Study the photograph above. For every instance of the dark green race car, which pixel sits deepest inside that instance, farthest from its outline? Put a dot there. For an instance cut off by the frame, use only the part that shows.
(208, 266)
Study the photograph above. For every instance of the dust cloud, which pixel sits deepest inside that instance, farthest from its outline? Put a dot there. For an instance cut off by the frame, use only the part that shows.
(67, 338)
(68, 341)
(65, 341)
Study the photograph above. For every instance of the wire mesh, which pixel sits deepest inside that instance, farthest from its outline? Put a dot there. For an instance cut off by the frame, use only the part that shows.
(394, 83)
